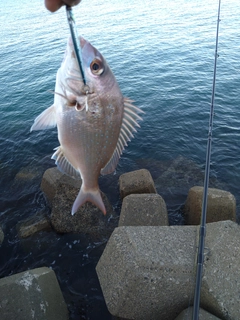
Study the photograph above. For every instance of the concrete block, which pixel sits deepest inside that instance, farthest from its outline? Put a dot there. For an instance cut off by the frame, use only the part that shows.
(88, 219)
(61, 191)
(139, 181)
(148, 272)
(203, 315)
(52, 179)
(220, 292)
(143, 210)
(33, 294)
(221, 205)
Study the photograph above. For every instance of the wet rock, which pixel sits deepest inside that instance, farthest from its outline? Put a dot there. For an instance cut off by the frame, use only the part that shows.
(139, 181)
(88, 219)
(221, 205)
(33, 294)
(155, 167)
(39, 222)
(148, 272)
(203, 315)
(28, 173)
(26, 181)
(181, 172)
(53, 179)
(143, 210)
(180, 176)
(1, 236)
(61, 192)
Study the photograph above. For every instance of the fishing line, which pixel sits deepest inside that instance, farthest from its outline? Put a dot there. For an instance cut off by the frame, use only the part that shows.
(76, 46)
(202, 230)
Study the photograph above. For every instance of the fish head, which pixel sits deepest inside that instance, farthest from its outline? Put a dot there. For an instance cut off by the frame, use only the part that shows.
(97, 72)
(102, 87)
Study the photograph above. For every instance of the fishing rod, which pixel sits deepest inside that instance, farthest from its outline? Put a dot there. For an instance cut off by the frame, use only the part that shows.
(202, 230)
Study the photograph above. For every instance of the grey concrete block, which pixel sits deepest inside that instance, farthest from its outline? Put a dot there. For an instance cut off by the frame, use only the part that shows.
(220, 292)
(52, 179)
(33, 294)
(61, 191)
(203, 315)
(221, 205)
(143, 210)
(88, 219)
(139, 181)
(148, 272)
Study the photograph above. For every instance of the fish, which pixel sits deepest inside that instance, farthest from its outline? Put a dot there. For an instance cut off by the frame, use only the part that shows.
(94, 125)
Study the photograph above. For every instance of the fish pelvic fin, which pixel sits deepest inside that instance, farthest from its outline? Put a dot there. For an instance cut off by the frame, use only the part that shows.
(64, 165)
(91, 195)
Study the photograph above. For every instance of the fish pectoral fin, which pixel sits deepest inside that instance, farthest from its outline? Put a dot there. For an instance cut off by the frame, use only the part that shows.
(129, 122)
(64, 165)
(93, 196)
(46, 120)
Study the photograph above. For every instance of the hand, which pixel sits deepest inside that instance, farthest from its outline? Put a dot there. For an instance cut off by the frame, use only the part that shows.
(54, 5)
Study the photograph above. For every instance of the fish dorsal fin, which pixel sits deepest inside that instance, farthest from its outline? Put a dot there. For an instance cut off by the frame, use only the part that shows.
(129, 122)
(64, 165)
(46, 120)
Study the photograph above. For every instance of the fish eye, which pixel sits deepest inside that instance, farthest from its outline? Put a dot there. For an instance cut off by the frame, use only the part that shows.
(97, 67)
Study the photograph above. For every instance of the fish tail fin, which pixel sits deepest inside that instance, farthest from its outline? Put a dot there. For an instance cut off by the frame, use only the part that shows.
(91, 195)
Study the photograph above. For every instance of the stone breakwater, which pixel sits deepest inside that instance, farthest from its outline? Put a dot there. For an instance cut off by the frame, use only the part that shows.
(147, 270)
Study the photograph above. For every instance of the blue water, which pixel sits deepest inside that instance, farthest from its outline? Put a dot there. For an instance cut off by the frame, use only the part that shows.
(162, 54)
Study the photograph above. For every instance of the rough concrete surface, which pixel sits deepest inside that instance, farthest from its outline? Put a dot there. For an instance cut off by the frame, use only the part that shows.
(88, 219)
(203, 315)
(143, 210)
(148, 272)
(221, 274)
(139, 181)
(51, 180)
(221, 205)
(33, 294)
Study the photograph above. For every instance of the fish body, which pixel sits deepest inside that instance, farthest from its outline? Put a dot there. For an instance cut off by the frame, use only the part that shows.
(94, 125)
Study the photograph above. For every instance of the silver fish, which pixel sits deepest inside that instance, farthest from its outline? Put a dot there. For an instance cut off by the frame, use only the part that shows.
(94, 126)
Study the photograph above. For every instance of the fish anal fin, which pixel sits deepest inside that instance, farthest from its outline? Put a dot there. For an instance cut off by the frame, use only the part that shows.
(129, 124)
(46, 120)
(64, 165)
(91, 195)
